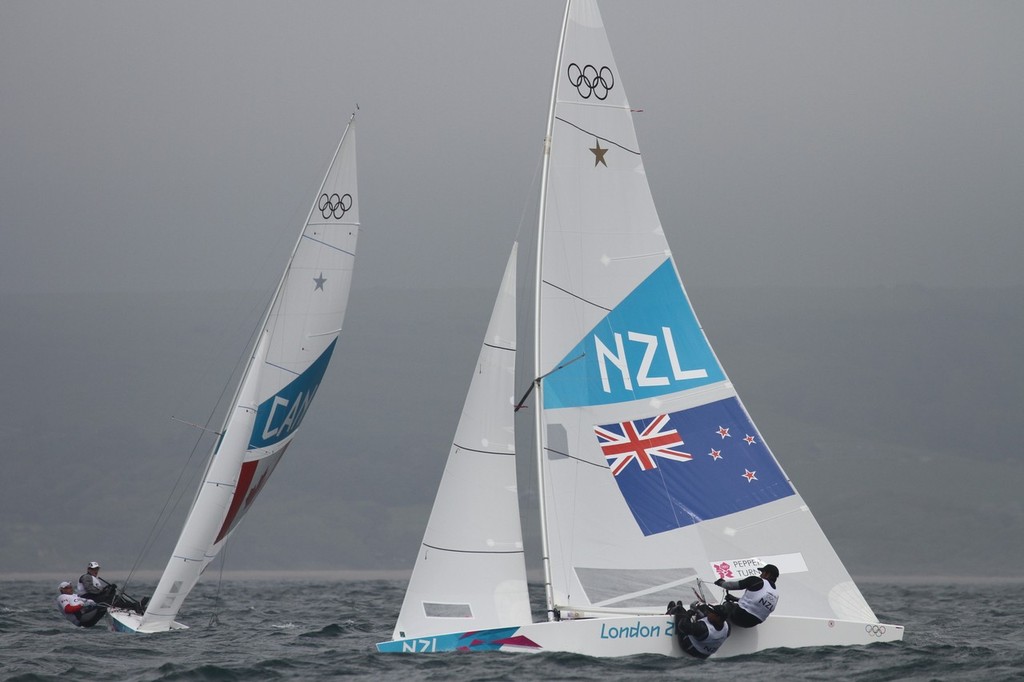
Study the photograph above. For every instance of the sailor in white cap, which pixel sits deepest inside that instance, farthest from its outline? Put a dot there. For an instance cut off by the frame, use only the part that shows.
(92, 586)
(81, 612)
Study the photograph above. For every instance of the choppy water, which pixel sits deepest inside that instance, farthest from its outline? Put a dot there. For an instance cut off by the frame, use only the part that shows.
(316, 630)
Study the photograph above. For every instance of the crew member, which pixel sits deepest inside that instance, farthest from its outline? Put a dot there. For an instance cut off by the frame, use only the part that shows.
(701, 630)
(757, 602)
(92, 586)
(82, 612)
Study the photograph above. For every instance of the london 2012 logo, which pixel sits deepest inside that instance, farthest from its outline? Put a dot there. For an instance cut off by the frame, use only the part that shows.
(334, 206)
(591, 81)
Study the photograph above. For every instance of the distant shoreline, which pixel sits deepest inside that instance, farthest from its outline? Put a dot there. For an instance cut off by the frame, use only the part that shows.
(403, 575)
(297, 576)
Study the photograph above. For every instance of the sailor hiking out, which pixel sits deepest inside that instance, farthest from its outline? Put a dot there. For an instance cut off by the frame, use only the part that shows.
(757, 602)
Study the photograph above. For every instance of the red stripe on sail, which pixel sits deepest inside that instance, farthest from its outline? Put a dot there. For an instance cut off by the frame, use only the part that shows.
(246, 491)
(245, 477)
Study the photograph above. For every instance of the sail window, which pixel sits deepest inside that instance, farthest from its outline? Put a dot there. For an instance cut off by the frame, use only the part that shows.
(633, 587)
(442, 610)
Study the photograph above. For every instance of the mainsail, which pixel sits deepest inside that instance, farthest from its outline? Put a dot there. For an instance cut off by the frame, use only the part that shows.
(288, 361)
(646, 447)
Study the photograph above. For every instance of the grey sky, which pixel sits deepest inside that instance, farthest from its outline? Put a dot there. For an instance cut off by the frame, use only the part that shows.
(171, 150)
(162, 146)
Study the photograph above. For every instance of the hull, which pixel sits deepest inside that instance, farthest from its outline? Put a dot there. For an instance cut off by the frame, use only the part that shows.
(633, 635)
(129, 621)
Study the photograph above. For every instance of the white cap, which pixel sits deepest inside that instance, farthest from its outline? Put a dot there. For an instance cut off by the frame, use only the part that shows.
(63, 585)
(93, 564)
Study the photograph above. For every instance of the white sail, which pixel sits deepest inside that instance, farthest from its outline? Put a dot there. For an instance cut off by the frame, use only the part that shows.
(291, 354)
(652, 477)
(470, 572)
(643, 492)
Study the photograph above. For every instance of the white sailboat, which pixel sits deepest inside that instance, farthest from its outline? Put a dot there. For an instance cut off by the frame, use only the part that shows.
(652, 478)
(293, 348)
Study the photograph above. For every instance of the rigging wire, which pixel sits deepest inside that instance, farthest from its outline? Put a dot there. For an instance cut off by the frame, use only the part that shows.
(178, 489)
(215, 616)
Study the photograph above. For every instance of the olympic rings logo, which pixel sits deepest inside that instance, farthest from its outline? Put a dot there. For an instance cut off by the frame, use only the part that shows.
(334, 206)
(875, 630)
(589, 80)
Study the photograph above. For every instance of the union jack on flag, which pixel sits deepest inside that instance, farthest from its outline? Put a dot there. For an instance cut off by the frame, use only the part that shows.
(640, 443)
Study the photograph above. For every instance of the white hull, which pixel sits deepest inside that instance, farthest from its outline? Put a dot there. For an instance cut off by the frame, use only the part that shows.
(129, 621)
(633, 635)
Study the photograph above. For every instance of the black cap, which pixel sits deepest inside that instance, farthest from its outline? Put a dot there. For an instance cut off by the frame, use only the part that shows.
(771, 569)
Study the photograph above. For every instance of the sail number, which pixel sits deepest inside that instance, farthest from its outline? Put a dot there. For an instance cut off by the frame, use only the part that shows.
(653, 347)
(293, 417)
(419, 646)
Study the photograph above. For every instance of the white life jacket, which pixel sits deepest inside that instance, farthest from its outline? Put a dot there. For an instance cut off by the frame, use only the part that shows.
(760, 603)
(64, 600)
(713, 641)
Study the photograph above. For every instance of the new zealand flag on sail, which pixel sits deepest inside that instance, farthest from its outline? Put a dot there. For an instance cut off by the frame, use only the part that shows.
(685, 467)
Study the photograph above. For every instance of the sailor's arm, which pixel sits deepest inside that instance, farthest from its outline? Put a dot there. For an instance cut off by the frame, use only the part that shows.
(751, 582)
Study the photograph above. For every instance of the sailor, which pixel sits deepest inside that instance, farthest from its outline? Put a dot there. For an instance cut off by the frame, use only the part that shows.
(701, 630)
(757, 602)
(81, 612)
(92, 586)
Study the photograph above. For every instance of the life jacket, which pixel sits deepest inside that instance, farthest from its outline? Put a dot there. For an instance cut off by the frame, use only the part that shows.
(712, 642)
(70, 601)
(760, 603)
(91, 584)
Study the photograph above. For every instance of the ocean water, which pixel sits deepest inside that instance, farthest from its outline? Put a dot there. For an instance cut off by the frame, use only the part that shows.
(325, 630)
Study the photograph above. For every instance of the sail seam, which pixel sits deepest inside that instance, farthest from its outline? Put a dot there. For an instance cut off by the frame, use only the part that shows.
(491, 345)
(584, 130)
(474, 551)
(330, 246)
(283, 369)
(485, 452)
(599, 105)
(576, 296)
(333, 331)
(578, 459)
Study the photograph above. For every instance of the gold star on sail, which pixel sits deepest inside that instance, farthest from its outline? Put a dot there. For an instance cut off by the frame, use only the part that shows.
(599, 154)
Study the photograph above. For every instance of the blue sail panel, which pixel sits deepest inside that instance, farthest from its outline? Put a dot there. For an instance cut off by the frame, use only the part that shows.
(281, 414)
(649, 345)
(681, 468)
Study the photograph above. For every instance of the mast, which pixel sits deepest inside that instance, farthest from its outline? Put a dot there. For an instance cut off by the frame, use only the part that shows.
(539, 436)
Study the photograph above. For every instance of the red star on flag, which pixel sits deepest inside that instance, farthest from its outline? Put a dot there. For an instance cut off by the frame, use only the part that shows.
(749, 439)
(723, 432)
(715, 454)
(749, 475)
